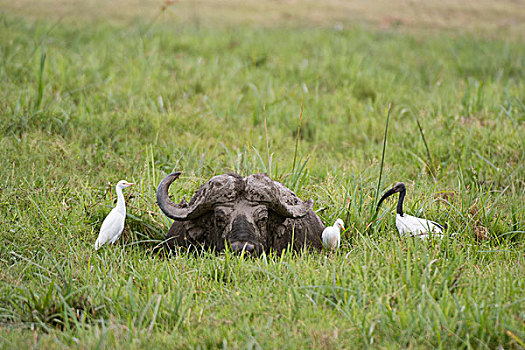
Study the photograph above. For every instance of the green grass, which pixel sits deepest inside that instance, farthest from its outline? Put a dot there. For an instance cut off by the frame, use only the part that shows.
(85, 105)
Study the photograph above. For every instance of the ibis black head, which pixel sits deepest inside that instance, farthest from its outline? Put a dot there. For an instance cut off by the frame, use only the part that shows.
(398, 187)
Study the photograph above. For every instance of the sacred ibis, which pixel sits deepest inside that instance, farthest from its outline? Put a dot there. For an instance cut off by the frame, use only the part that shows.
(407, 224)
(332, 235)
(113, 224)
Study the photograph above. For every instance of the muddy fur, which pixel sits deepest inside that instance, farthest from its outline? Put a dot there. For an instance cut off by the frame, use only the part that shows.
(254, 214)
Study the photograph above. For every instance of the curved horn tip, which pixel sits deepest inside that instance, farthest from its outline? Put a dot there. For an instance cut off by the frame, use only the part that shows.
(169, 208)
(171, 177)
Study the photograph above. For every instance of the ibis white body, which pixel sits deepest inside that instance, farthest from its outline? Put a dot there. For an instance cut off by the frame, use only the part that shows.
(409, 225)
(332, 235)
(113, 224)
(417, 227)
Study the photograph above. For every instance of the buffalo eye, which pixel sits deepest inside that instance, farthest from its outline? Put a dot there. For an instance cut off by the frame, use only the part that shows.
(220, 221)
(221, 218)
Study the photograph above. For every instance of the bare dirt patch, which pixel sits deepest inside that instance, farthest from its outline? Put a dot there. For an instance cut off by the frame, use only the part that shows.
(489, 16)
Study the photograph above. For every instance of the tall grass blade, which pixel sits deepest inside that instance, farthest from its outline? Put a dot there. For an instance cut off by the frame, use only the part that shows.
(40, 92)
(382, 162)
(268, 157)
(430, 163)
(297, 138)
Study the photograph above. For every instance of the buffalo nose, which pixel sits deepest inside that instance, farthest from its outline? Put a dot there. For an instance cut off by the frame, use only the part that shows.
(240, 246)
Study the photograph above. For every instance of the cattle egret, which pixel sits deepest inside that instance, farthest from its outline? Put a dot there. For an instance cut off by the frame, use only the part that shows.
(407, 224)
(332, 235)
(113, 224)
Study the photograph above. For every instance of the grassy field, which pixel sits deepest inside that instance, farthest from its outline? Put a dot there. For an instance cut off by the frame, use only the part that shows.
(86, 101)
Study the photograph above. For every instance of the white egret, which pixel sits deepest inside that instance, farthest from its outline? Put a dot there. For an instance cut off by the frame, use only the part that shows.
(407, 224)
(332, 235)
(113, 224)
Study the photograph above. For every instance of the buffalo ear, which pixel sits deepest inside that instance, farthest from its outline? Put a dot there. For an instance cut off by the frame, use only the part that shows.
(281, 230)
(193, 230)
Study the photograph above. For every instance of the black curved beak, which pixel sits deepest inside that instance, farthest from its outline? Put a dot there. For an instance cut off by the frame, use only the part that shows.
(385, 196)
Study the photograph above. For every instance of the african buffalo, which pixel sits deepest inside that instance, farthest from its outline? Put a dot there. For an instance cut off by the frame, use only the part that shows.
(253, 214)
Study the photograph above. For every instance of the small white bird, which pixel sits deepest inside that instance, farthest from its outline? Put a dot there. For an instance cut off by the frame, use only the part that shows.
(407, 224)
(332, 235)
(113, 224)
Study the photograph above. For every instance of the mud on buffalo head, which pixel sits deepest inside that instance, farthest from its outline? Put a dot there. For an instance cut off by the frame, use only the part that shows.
(253, 214)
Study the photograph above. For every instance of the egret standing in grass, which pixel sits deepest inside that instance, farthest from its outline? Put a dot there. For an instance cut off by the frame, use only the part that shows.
(113, 224)
(332, 235)
(407, 224)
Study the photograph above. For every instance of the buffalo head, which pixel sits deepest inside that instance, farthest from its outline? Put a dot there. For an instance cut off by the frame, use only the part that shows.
(253, 214)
